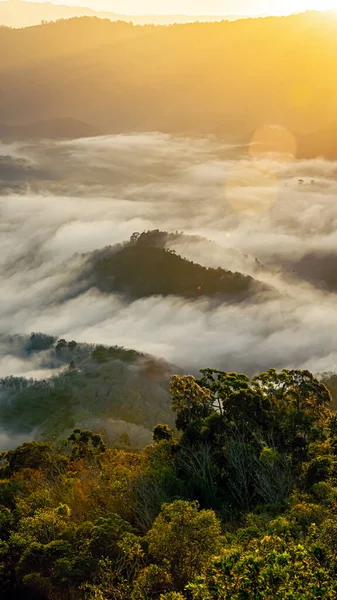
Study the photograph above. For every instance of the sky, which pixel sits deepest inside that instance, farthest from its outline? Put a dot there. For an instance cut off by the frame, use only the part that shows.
(199, 7)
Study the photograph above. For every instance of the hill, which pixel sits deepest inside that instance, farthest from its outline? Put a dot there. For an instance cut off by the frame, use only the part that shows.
(111, 389)
(198, 249)
(122, 77)
(143, 268)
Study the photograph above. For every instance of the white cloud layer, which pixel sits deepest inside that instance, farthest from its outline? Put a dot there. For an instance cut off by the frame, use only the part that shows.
(76, 197)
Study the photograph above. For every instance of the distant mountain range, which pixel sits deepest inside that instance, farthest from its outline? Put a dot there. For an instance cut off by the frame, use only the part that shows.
(19, 13)
(120, 78)
(319, 143)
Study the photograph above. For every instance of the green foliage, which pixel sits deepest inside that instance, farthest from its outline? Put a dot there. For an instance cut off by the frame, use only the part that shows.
(111, 389)
(102, 354)
(144, 268)
(190, 401)
(86, 444)
(162, 432)
(31, 455)
(263, 432)
(106, 534)
(185, 538)
(241, 506)
(270, 569)
(172, 596)
(152, 582)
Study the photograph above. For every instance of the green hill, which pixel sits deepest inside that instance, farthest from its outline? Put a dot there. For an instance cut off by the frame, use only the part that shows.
(143, 268)
(108, 389)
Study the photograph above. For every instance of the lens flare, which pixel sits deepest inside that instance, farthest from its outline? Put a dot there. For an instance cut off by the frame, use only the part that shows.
(273, 139)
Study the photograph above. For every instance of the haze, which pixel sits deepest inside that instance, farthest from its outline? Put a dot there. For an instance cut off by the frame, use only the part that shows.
(201, 7)
(22, 13)
(19, 13)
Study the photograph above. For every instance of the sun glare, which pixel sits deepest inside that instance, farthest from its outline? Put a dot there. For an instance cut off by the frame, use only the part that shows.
(312, 5)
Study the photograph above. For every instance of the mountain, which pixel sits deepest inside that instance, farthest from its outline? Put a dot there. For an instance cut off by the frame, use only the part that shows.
(198, 249)
(63, 128)
(113, 389)
(123, 78)
(143, 268)
(22, 13)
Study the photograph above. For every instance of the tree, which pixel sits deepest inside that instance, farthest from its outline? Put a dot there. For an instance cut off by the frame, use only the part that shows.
(106, 534)
(31, 455)
(190, 401)
(240, 403)
(184, 537)
(299, 409)
(199, 469)
(152, 582)
(269, 570)
(86, 444)
(162, 432)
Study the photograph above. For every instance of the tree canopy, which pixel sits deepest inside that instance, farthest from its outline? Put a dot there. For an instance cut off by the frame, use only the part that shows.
(239, 501)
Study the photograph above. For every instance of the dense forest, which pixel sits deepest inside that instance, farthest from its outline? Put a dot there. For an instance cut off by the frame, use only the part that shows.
(119, 392)
(98, 72)
(144, 267)
(237, 501)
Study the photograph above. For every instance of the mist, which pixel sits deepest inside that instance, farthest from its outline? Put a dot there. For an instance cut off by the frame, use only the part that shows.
(29, 13)
(261, 216)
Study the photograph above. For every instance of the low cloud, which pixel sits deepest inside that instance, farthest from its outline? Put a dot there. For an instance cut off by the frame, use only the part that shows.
(275, 220)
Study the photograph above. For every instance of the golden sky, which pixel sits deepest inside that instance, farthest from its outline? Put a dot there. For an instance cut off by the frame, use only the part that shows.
(209, 7)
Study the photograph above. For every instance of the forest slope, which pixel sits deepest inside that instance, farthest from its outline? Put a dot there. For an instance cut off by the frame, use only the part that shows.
(143, 268)
(118, 391)
(241, 505)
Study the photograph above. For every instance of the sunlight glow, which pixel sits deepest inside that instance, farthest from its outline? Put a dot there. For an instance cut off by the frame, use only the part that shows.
(289, 6)
(202, 7)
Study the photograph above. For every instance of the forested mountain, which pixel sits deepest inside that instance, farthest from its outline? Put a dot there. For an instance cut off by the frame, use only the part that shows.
(100, 72)
(144, 267)
(115, 390)
(197, 245)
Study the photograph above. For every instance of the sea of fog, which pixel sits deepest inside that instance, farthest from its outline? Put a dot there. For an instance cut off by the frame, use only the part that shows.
(60, 200)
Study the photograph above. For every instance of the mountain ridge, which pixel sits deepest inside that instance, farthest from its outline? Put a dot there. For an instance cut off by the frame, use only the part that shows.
(32, 13)
(122, 77)
(143, 267)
